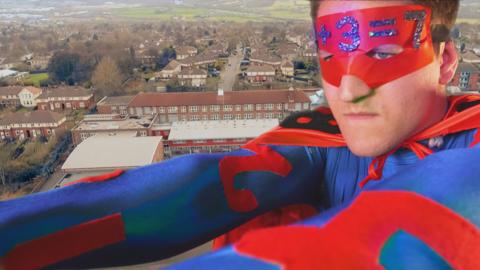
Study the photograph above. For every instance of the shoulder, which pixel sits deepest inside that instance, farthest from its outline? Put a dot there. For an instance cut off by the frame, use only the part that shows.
(318, 120)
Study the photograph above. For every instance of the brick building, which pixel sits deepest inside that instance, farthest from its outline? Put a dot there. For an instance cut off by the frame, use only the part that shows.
(65, 98)
(260, 74)
(466, 77)
(114, 105)
(196, 106)
(9, 96)
(113, 126)
(214, 136)
(25, 125)
(193, 77)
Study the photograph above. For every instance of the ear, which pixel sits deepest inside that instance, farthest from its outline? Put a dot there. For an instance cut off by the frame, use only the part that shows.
(448, 62)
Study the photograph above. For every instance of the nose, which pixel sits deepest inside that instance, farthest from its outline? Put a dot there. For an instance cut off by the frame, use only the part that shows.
(353, 89)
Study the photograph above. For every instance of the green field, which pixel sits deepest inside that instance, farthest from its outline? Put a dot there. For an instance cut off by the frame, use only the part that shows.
(285, 10)
(35, 79)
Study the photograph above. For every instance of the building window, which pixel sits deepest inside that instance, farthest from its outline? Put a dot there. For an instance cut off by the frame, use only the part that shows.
(195, 117)
(219, 141)
(305, 106)
(259, 115)
(205, 117)
(147, 110)
(279, 106)
(57, 105)
(269, 107)
(298, 106)
(143, 133)
(259, 107)
(248, 107)
(270, 116)
(199, 141)
(214, 117)
(161, 109)
(238, 108)
(172, 109)
(249, 116)
(82, 104)
(204, 108)
(193, 109)
(238, 116)
(228, 117)
(215, 108)
(227, 108)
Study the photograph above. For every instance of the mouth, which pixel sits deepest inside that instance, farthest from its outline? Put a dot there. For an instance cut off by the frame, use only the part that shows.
(361, 116)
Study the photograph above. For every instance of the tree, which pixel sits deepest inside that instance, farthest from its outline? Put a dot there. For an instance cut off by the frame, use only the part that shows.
(62, 66)
(107, 78)
(167, 55)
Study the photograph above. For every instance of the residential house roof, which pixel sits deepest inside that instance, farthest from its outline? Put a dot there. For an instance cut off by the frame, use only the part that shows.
(33, 90)
(193, 72)
(211, 98)
(184, 50)
(39, 117)
(65, 91)
(265, 57)
(118, 101)
(265, 68)
(173, 65)
(10, 90)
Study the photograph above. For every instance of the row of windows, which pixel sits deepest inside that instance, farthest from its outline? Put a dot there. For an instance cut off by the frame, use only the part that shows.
(241, 140)
(232, 116)
(217, 108)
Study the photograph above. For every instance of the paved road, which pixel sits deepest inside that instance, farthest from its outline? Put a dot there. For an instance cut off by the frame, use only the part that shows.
(232, 68)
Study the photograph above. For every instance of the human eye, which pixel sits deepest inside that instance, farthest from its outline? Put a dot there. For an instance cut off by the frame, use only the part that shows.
(381, 55)
(383, 52)
(324, 55)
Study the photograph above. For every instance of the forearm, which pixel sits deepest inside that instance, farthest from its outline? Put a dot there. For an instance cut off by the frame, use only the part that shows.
(159, 210)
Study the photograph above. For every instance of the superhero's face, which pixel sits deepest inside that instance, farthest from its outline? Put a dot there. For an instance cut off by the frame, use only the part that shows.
(380, 73)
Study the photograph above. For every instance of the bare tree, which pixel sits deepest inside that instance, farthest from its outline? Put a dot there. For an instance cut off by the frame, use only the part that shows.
(107, 78)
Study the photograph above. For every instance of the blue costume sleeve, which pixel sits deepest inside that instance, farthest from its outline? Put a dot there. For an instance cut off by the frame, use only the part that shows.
(163, 209)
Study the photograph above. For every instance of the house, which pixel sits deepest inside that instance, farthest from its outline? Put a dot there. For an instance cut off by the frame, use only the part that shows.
(185, 52)
(39, 62)
(260, 74)
(193, 77)
(169, 71)
(25, 125)
(203, 59)
(466, 77)
(111, 153)
(114, 105)
(65, 98)
(265, 58)
(28, 96)
(9, 96)
(287, 68)
(287, 50)
(147, 57)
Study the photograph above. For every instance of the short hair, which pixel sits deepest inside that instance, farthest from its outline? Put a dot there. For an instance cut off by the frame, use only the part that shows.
(444, 15)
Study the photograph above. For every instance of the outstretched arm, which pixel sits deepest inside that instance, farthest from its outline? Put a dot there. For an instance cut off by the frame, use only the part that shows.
(156, 211)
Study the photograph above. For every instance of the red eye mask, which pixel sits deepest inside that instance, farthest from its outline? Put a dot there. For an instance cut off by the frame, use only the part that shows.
(351, 37)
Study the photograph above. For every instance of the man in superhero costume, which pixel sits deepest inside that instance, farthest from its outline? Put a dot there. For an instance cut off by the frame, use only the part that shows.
(384, 65)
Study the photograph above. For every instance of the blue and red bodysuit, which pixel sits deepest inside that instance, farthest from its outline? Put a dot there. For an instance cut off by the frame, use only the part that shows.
(158, 211)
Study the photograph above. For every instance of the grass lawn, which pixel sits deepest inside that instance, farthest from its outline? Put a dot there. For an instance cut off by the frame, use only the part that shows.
(35, 79)
(291, 9)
